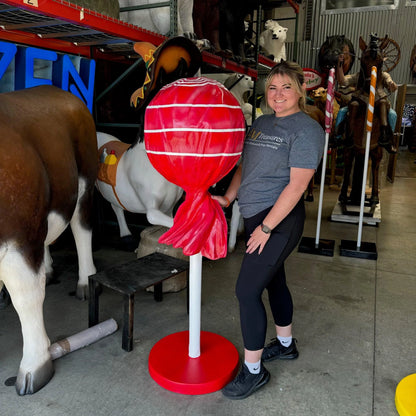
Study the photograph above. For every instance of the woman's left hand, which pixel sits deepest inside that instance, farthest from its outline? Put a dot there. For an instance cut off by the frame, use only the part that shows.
(257, 240)
(224, 202)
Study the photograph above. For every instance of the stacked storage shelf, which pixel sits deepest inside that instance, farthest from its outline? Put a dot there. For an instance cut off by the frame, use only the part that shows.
(69, 28)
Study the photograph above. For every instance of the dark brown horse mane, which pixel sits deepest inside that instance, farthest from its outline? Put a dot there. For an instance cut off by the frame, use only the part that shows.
(331, 49)
(372, 55)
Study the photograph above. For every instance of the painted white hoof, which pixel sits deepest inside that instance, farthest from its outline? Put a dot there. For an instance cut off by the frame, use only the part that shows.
(31, 382)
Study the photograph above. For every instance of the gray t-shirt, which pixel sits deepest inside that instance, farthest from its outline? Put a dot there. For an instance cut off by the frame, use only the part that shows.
(272, 146)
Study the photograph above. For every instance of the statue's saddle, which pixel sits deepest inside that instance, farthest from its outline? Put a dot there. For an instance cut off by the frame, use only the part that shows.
(109, 155)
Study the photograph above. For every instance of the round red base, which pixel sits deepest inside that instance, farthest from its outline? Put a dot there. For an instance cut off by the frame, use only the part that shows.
(172, 368)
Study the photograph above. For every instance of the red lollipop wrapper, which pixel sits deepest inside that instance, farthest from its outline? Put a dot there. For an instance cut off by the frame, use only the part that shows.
(194, 135)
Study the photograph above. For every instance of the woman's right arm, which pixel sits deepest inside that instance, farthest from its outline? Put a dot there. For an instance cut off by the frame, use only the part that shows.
(231, 193)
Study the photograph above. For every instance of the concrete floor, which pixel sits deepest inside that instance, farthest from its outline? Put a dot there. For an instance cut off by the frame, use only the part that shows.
(354, 319)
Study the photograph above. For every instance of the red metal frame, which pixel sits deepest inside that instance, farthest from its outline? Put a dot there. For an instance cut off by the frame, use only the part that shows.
(220, 62)
(294, 5)
(54, 44)
(266, 61)
(77, 15)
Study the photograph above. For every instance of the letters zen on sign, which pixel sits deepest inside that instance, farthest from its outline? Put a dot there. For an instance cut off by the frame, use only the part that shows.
(64, 73)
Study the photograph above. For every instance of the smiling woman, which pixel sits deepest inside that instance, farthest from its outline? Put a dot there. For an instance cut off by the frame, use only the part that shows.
(281, 153)
(285, 93)
(284, 96)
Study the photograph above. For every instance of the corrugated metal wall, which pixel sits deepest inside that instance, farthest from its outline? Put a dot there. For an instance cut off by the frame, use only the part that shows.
(399, 24)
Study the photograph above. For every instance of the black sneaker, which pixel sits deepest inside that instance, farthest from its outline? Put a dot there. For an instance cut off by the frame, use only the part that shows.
(246, 383)
(275, 350)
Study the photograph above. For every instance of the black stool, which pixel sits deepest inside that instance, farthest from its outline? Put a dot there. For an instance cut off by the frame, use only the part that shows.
(128, 278)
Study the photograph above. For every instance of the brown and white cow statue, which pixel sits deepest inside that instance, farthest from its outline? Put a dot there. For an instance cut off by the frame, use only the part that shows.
(48, 167)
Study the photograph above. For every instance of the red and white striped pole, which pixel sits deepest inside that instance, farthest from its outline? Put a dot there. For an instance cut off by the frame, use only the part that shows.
(369, 127)
(329, 106)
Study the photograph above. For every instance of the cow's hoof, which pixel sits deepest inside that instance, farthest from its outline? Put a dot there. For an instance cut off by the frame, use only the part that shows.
(82, 292)
(31, 382)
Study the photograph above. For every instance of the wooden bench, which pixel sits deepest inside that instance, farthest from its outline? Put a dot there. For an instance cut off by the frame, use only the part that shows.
(129, 278)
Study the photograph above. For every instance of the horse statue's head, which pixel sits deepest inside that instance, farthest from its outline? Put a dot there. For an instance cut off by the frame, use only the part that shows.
(373, 46)
(330, 51)
(372, 55)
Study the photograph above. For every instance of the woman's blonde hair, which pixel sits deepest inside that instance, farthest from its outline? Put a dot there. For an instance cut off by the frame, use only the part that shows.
(295, 73)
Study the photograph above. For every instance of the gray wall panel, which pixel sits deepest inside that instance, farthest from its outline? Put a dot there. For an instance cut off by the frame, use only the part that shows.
(399, 24)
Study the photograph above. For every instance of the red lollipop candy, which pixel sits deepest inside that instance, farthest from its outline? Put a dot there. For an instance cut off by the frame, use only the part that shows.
(194, 135)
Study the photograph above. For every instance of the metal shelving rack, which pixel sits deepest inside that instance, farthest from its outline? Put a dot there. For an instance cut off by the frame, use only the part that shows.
(69, 28)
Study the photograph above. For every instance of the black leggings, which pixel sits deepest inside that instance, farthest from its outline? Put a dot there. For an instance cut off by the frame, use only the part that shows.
(266, 270)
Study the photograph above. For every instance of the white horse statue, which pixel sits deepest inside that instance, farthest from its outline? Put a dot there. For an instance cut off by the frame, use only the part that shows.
(134, 185)
(157, 19)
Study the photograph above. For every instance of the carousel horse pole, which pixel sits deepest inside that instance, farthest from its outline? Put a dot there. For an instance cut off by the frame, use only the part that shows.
(322, 246)
(363, 250)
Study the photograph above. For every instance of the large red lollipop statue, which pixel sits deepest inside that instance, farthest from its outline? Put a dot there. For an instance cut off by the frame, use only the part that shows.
(194, 134)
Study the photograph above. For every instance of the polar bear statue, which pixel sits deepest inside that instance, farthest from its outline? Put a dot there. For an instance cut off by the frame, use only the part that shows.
(273, 39)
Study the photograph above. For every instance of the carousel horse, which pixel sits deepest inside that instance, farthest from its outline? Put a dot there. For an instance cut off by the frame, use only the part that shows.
(48, 168)
(355, 131)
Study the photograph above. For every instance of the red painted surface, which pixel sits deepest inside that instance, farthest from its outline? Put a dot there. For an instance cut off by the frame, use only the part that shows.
(172, 368)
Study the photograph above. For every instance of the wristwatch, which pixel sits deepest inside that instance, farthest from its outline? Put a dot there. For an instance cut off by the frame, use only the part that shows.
(265, 229)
